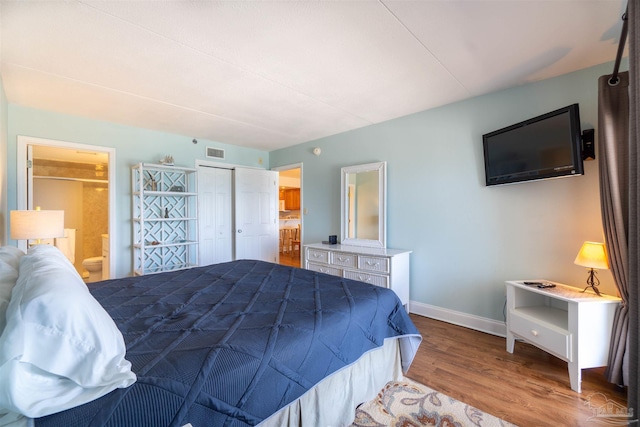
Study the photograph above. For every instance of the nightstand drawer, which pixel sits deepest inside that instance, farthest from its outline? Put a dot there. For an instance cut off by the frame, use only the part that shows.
(546, 337)
(372, 263)
(317, 255)
(323, 268)
(372, 279)
(343, 260)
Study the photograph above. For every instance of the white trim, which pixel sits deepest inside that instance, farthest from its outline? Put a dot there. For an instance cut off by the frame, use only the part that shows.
(21, 183)
(287, 167)
(209, 164)
(482, 324)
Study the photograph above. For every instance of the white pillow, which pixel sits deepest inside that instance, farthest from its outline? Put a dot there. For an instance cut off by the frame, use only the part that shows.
(9, 262)
(60, 348)
(11, 255)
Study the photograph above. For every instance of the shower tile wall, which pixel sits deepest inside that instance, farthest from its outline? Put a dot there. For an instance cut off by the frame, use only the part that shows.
(95, 219)
(95, 205)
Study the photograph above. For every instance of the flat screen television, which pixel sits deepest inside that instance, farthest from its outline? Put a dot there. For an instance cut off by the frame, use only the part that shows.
(547, 146)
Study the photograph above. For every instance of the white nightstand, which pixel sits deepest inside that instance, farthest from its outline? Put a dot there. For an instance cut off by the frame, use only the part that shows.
(563, 321)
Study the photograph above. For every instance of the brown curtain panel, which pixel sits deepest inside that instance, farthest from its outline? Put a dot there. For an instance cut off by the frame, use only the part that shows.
(633, 17)
(613, 156)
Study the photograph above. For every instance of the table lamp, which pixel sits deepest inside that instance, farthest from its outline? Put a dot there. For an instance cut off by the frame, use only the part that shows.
(593, 256)
(36, 224)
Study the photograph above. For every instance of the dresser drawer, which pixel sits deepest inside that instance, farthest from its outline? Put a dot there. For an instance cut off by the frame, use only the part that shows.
(323, 268)
(343, 259)
(372, 279)
(373, 263)
(546, 337)
(317, 255)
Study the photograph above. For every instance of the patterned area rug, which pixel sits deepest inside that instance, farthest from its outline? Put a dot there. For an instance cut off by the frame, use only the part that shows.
(408, 403)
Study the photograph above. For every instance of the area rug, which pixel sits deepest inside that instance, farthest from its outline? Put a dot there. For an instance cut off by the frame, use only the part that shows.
(407, 403)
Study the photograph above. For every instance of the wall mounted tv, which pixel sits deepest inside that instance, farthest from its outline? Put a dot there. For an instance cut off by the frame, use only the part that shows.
(547, 146)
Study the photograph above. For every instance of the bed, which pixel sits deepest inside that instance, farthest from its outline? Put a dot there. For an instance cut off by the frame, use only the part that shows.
(233, 344)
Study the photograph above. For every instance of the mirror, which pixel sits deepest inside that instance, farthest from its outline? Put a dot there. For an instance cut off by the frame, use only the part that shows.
(364, 205)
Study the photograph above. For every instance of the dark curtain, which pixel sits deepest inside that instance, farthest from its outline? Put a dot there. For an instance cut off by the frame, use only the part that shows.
(619, 162)
(613, 156)
(634, 206)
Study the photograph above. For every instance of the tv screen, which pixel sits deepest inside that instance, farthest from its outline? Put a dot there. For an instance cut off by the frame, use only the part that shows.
(547, 146)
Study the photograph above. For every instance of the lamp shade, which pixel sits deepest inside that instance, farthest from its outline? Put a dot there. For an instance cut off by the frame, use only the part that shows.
(592, 255)
(36, 224)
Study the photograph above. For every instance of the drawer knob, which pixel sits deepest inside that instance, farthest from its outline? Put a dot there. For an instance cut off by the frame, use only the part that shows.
(364, 279)
(534, 332)
(370, 263)
(341, 259)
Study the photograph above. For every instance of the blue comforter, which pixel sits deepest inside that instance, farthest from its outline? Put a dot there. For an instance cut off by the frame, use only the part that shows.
(230, 344)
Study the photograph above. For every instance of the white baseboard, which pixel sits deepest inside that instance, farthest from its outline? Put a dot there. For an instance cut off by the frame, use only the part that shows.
(482, 324)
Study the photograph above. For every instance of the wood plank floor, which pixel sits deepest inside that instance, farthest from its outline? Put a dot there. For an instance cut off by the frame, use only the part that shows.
(291, 259)
(526, 388)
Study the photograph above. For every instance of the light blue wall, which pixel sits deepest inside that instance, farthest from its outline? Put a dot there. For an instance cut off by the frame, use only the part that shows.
(467, 239)
(3, 164)
(133, 145)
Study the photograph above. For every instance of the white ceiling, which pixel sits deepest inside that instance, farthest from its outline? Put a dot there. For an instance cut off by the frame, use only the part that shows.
(271, 74)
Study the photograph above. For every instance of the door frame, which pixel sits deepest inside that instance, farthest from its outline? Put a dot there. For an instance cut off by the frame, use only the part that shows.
(22, 183)
(302, 211)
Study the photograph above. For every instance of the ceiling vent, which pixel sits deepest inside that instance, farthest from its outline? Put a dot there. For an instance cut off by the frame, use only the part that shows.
(215, 153)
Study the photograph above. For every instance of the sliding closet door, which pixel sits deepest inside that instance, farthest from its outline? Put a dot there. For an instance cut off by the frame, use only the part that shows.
(215, 226)
(256, 197)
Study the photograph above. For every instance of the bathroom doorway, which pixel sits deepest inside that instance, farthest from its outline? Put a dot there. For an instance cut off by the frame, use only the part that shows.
(78, 179)
(290, 212)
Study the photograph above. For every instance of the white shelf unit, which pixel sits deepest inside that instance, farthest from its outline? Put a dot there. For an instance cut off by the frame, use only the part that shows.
(165, 221)
(572, 325)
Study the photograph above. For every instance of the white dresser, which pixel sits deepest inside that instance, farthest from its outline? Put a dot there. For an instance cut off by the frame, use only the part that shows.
(388, 268)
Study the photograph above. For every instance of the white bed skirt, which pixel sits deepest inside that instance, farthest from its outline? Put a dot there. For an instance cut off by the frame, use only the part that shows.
(333, 401)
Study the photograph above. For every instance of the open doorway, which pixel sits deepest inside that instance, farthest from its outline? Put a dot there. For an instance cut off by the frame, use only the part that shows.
(77, 179)
(290, 213)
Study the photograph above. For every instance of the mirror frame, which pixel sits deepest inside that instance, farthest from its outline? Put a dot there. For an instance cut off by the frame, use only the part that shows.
(381, 167)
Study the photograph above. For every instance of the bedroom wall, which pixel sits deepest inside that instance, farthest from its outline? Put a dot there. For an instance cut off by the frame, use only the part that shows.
(466, 238)
(3, 155)
(3, 164)
(133, 145)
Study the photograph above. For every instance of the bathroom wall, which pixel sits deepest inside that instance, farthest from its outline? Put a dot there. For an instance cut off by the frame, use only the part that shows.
(65, 195)
(91, 218)
(95, 219)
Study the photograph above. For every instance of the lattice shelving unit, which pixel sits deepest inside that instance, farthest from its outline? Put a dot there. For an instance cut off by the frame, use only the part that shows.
(165, 221)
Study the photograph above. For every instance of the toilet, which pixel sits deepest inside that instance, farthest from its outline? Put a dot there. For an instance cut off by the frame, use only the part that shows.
(94, 266)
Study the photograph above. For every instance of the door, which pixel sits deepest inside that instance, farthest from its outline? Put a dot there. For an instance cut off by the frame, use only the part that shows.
(256, 220)
(215, 227)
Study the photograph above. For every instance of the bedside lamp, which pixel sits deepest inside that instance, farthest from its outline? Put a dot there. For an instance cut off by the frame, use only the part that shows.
(36, 225)
(593, 256)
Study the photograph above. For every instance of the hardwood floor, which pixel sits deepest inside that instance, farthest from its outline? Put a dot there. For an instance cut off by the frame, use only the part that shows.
(291, 259)
(526, 388)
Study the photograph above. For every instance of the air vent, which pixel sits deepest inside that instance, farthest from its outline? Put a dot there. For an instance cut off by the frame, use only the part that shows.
(215, 153)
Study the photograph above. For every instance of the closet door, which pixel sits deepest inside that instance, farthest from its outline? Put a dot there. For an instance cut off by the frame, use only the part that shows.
(256, 214)
(215, 218)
